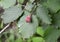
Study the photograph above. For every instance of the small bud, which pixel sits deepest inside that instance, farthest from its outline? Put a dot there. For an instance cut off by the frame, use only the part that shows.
(28, 19)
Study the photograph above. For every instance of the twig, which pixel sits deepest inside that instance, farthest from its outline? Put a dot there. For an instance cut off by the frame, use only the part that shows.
(4, 28)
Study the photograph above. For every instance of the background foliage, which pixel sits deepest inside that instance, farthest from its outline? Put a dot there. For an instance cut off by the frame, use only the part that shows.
(44, 24)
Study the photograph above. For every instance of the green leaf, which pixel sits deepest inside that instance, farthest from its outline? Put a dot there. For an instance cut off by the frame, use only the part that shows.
(42, 13)
(27, 29)
(29, 6)
(40, 31)
(7, 3)
(18, 40)
(0, 40)
(31, 1)
(53, 35)
(38, 39)
(54, 5)
(57, 19)
(11, 37)
(1, 24)
(29, 40)
(21, 1)
(11, 14)
(48, 30)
